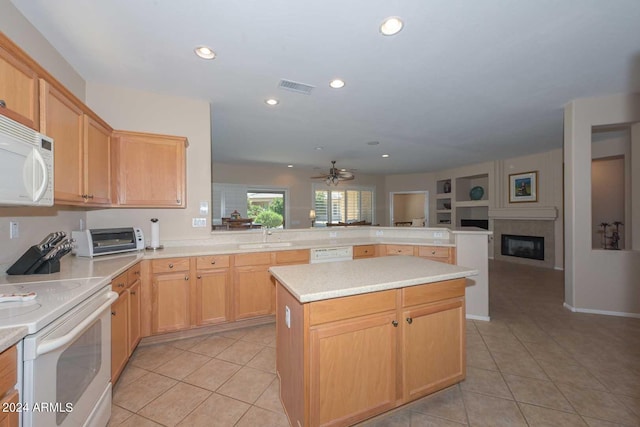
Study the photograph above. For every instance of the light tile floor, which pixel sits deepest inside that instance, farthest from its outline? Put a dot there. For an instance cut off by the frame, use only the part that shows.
(534, 364)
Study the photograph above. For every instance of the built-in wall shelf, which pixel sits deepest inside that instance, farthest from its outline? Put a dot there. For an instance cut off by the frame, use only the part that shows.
(453, 201)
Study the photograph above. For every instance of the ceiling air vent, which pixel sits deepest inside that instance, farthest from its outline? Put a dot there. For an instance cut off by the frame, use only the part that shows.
(295, 86)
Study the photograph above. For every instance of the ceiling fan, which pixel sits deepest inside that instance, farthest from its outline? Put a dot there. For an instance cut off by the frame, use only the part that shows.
(335, 175)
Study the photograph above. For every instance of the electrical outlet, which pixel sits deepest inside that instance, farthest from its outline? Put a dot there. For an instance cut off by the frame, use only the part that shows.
(14, 230)
(379, 233)
(287, 316)
(198, 222)
(438, 235)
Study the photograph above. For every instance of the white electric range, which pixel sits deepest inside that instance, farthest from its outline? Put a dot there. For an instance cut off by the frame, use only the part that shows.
(64, 378)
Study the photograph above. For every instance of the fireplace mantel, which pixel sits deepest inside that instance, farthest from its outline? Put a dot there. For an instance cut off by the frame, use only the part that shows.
(548, 213)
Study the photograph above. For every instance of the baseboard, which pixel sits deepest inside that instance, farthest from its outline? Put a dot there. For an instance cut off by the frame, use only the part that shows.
(474, 317)
(602, 312)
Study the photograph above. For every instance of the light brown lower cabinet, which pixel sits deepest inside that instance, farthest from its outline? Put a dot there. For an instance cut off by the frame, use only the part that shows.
(170, 306)
(119, 335)
(379, 350)
(125, 319)
(9, 396)
(252, 285)
(212, 301)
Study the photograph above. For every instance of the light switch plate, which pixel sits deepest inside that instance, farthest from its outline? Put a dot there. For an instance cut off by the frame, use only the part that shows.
(379, 233)
(438, 234)
(204, 208)
(287, 316)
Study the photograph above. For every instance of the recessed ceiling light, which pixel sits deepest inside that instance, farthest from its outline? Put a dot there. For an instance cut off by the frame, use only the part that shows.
(319, 148)
(289, 166)
(385, 155)
(336, 83)
(391, 26)
(271, 101)
(373, 142)
(205, 52)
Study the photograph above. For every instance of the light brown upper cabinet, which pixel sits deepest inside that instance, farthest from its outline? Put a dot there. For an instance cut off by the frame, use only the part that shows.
(82, 145)
(149, 170)
(18, 86)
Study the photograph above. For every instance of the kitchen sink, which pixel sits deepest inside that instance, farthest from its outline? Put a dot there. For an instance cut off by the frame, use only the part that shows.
(264, 245)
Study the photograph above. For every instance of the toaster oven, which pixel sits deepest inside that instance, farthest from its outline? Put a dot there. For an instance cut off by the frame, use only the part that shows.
(105, 241)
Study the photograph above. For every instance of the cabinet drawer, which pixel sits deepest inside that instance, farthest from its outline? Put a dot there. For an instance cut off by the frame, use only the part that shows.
(212, 261)
(364, 251)
(8, 370)
(119, 283)
(353, 306)
(133, 274)
(258, 258)
(433, 251)
(399, 250)
(169, 265)
(300, 256)
(430, 292)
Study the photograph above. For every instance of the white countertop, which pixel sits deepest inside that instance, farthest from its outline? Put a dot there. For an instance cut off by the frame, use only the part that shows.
(316, 282)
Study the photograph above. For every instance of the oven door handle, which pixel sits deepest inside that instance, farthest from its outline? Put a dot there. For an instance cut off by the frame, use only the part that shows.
(49, 346)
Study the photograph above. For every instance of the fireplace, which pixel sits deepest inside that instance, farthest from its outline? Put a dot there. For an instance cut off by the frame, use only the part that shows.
(530, 247)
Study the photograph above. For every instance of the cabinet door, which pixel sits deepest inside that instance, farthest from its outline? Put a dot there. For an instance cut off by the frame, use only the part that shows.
(134, 315)
(150, 170)
(8, 418)
(170, 302)
(433, 347)
(18, 90)
(252, 291)
(97, 160)
(119, 335)
(62, 120)
(352, 369)
(212, 290)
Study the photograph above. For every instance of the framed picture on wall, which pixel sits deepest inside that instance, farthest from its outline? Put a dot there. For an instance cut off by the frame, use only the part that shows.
(523, 187)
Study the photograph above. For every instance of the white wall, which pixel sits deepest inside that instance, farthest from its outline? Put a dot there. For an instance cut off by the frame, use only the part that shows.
(298, 183)
(35, 223)
(129, 109)
(596, 280)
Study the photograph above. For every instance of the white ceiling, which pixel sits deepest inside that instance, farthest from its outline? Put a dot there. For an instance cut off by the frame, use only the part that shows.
(465, 81)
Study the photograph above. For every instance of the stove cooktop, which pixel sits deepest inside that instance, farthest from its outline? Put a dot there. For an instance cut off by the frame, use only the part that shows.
(54, 298)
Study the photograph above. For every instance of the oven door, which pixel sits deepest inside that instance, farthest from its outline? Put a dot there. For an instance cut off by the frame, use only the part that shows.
(67, 368)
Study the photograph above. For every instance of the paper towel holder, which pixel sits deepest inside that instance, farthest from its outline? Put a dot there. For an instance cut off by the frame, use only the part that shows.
(155, 228)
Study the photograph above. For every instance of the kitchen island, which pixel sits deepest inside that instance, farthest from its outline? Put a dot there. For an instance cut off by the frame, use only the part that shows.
(358, 338)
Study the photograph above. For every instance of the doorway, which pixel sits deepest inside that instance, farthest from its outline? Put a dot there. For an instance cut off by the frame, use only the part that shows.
(409, 208)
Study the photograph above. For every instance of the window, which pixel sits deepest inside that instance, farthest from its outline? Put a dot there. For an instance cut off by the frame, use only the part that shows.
(350, 204)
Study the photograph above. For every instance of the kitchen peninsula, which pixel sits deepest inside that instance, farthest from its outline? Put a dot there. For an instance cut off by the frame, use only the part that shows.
(359, 338)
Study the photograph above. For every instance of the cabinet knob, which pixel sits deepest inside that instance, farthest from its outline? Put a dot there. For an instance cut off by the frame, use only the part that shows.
(199, 276)
(84, 196)
(90, 196)
(137, 273)
(394, 323)
(213, 262)
(178, 201)
(133, 292)
(170, 265)
(113, 313)
(409, 320)
(433, 252)
(121, 285)
(186, 277)
(3, 104)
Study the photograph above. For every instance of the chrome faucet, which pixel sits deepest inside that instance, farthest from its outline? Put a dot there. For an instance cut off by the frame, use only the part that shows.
(265, 232)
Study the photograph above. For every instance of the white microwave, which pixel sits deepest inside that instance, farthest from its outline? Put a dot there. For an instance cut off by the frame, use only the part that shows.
(26, 165)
